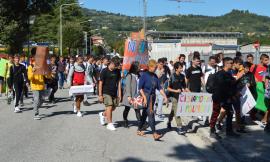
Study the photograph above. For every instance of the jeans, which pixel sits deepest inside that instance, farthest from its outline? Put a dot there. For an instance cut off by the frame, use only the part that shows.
(159, 101)
(61, 78)
(148, 112)
(216, 111)
(38, 99)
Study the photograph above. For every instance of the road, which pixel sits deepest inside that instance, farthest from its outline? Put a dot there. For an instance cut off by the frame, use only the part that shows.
(62, 136)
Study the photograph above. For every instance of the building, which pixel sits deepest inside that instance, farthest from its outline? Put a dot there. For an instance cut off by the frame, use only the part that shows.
(172, 43)
(97, 40)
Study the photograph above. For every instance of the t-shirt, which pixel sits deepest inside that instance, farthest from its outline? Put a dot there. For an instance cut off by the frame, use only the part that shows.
(110, 81)
(194, 75)
(149, 83)
(177, 82)
(259, 73)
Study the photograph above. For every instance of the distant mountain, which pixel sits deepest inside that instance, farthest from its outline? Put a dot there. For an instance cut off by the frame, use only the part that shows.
(253, 26)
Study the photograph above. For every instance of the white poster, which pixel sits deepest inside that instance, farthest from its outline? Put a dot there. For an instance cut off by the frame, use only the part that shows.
(195, 104)
(247, 100)
(80, 90)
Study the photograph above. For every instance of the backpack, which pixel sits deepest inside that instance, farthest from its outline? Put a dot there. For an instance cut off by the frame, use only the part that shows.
(210, 84)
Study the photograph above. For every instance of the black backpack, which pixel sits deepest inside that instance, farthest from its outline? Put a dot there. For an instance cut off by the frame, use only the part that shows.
(210, 84)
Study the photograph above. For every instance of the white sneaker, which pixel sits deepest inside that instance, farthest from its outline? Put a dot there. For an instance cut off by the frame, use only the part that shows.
(74, 108)
(79, 114)
(111, 127)
(101, 118)
(17, 110)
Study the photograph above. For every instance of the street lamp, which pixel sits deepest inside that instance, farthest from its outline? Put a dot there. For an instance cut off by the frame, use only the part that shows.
(61, 25)
(85, 36)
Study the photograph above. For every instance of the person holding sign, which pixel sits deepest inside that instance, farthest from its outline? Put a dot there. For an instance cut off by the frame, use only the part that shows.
(148, 85)
(77, 77)
(177, 85)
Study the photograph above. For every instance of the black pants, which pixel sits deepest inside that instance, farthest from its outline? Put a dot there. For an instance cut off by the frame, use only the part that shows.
(54, 86)
(18, 89)
(126, 111)
(149, 112)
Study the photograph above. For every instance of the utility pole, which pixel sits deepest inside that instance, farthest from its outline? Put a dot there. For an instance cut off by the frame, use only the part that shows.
(144, 17)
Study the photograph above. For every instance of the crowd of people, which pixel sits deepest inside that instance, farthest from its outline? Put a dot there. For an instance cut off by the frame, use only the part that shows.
(155, 86)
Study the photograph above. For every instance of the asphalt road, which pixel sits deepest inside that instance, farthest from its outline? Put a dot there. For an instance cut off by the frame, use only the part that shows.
(62, 136)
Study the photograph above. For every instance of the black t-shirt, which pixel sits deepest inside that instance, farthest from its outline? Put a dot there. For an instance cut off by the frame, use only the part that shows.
(110, 81)
(177, 82)
(194, 75)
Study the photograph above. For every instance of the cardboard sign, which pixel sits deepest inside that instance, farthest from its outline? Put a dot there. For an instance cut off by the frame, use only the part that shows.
(42, 54)
(247, 100)
(3, 67)
(195, 104)
(135, 50)
(81, 90)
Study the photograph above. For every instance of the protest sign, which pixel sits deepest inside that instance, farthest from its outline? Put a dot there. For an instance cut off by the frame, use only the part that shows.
(135, 50)
(260, 105)
(80, 90)
(247, 100)
(3, 67)
(41, 57)
(195, 104)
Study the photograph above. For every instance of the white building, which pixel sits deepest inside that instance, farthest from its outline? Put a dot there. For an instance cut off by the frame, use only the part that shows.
(170, 44)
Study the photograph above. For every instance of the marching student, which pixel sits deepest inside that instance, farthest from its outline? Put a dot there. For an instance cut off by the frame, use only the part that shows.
(130, 92)
(224, 90)
(37, 84)
(177, 85)
(52, 82)
(16, 81)
(77, 77)
(61, 66)
(148, 85)
(194, 76)
(90, 79)
(110, 91)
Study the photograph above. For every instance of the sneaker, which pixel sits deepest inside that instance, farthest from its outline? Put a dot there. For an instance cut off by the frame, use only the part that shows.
(161, 118)
(218, 127)
(79, 114)
(102, 118)
(74, 108)
(181, 131)
(17, 110)
(86, 103)
(37, 117)
(215, 135)
(111, 127)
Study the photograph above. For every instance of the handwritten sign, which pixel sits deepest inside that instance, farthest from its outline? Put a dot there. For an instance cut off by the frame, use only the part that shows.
(135, 50)
(42, 54)
(247, 101)
(195, 104)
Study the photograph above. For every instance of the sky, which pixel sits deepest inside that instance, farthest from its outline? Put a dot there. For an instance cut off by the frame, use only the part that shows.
(164, 7)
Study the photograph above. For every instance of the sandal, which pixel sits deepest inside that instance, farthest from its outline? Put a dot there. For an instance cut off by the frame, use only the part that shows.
(141, 133)
(157, 137)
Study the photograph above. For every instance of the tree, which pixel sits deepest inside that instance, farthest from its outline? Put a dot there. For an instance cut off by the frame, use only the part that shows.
(73, 36)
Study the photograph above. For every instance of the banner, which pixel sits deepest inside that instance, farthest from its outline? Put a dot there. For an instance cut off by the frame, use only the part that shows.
(260, 105)
(42, 54)
(81, 90)
(135, 50)
(3, 67)
(247, 101)
(195, 104)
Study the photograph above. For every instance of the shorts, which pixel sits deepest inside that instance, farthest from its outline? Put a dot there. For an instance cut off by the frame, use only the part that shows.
(110, 101)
